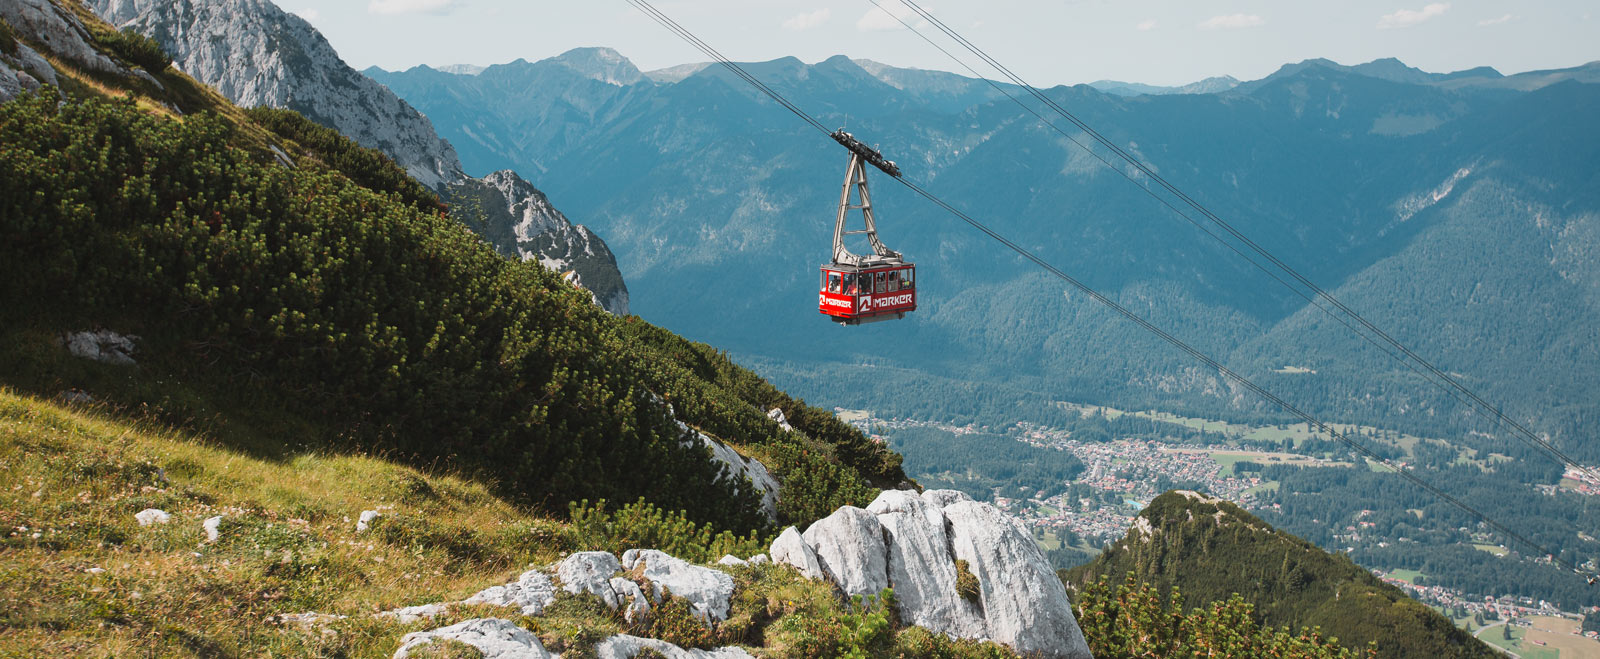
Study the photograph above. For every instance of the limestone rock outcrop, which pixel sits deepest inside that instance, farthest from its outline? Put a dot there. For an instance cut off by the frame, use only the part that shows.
(623, 646)
(103, 346)
(911, 542)
(259, 55)
(849, 544)
(520, 222)
(709, 591)
(496, 638)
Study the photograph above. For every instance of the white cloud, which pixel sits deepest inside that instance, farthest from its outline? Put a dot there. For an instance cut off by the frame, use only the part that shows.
(888, 16)
(808, 21)
(1408, 18)
(410, 6)
(1232, 22)
(1146, 26)
(308, 13)
(1496, 21)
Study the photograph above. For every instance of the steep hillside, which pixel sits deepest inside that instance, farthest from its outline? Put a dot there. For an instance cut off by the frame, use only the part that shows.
(258, 55)
(1211, 549)
(280, 301)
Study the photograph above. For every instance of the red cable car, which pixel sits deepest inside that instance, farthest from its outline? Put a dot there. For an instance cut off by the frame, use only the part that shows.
(864, 288)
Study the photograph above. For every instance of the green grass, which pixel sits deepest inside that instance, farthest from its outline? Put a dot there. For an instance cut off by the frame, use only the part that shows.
(1408, 576)
(1518, 644)
(1493, 549)
(72, 478)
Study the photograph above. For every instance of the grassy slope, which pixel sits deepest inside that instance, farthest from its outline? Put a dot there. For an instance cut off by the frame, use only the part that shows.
(72, 477)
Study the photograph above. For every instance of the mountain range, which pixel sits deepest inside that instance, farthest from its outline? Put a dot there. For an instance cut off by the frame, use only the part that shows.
(1456, 211)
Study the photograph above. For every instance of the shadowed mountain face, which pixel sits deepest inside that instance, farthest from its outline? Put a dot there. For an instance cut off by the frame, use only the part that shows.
(1458, 211)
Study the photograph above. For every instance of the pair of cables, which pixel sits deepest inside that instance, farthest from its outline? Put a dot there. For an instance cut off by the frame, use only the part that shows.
(734, 68)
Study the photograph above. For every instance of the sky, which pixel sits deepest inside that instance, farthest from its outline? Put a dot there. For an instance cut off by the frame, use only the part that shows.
(1047, 42)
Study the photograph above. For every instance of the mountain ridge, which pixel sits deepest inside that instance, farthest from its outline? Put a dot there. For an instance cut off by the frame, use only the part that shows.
(275, 58)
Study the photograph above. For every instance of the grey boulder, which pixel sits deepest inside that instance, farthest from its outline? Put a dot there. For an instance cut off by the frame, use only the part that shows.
(849, 545)
(709, 591)
(496, 638)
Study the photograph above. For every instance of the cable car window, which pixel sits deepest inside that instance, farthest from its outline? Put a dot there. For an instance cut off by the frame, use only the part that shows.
(906, 280)
(882, 287)
(894, 280)
(849, 284)
(833, 282)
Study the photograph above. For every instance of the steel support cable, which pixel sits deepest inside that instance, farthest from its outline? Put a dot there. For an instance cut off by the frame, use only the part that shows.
(1438, 377)
(1183, 346)
(1310, 298)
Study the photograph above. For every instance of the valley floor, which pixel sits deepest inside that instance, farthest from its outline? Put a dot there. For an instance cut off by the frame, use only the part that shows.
(1121, 475)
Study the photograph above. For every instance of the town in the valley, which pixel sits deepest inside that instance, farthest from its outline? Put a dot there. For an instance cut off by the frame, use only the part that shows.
(1122, 475)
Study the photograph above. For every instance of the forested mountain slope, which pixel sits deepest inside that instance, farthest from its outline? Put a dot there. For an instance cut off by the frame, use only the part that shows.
(258, 55)
(1209, 549)
(302, 306)
(1356, 175)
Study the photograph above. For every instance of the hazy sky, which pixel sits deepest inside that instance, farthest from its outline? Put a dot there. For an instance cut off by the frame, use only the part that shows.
(1047, 42)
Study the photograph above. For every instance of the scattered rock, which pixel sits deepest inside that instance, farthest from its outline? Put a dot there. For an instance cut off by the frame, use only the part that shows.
(496, 638)
(213, 527)
(150, 516)
(530, 593)
(849, 544)
(740, 467)
(60, 31)
(410, 614)
(590, 572)
(103, 346)
(791, 549)
(304, 620)
(623, 646)
(636, 605)
(96, 570)
(731, 560)
(366, 520)
(776, 414)
(759, 559)
(74, 396)
(709, 591)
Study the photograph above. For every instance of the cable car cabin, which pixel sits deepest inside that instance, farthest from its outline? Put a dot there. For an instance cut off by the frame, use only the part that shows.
(864, 294)
(864, 288)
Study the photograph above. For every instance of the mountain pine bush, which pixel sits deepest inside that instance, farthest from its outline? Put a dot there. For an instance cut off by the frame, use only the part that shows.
(382, 321)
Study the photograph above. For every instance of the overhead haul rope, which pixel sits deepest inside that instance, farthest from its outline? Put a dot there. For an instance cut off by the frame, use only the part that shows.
(686, 35)
(1435, 376)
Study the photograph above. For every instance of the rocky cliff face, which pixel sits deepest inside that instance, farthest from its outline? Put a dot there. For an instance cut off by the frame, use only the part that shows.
(520, 222)
(259, 55)
(256, 54)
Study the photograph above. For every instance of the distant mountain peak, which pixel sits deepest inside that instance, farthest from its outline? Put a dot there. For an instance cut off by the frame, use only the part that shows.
(603, 64)
(462, 69)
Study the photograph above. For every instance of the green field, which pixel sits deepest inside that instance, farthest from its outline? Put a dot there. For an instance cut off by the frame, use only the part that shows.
(1408, 576)
(1493, 636)
(1493, 549)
